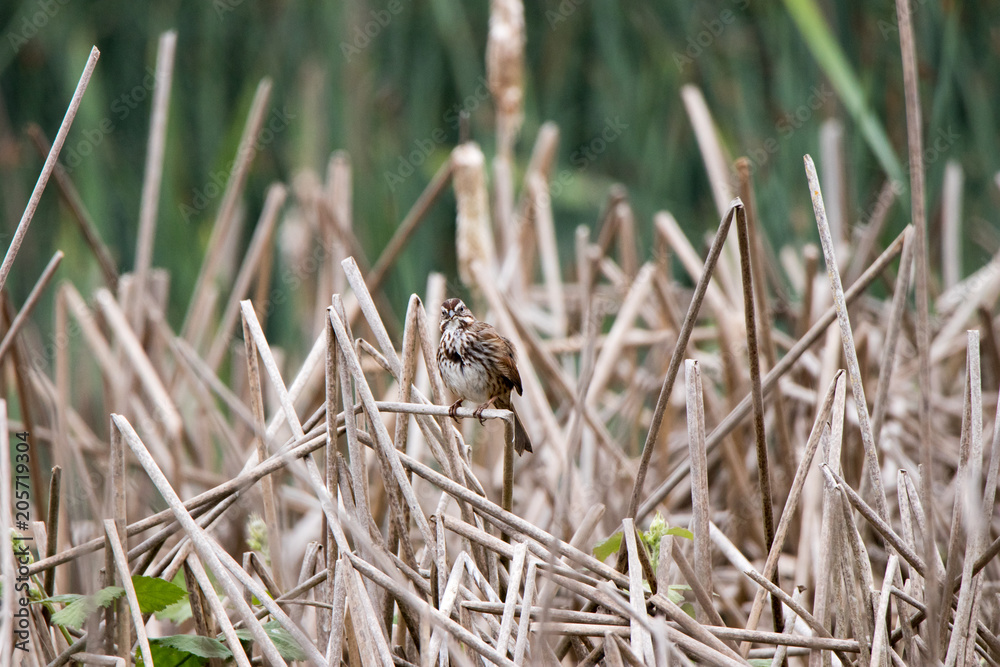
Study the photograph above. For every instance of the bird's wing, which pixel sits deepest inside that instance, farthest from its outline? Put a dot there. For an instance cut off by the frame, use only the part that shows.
(506, 357)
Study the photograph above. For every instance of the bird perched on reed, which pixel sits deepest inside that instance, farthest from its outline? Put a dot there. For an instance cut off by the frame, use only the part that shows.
(478, 364)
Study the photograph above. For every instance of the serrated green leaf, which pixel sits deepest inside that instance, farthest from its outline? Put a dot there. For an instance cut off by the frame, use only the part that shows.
(286, 645)
(284, 642)
(75, 614)
(203, 647)
(107, 595)
(167, 656)
(605, 548)
(80, 607)
(67, 598)
(155, 594)
(680, 532)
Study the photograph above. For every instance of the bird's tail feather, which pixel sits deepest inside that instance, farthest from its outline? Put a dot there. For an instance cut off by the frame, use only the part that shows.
(522, 443)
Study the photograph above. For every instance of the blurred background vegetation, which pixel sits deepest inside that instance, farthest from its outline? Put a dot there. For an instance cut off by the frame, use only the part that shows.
(381, 79)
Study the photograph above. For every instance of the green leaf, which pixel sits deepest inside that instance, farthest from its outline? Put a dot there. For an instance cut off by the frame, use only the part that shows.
(688, 609)
(286, 645)
(167, 656)
(674, 592)
(681, 532)
(203, 647)
(176, 613)
(605, 548)
(106, 596)
(80, 607)
(67, 598)
(75, 614)
(155, 594)
(284, 642)
(760, 662)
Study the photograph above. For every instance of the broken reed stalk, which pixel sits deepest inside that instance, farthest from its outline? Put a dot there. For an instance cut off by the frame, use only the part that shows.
(29, 304)
(675, 362)
(226, 217)
(757, 395)
(81, 216)
(847, 337)
(48, 167)
(914, 140)
(757, 265)
(699, 480)
(152, 175)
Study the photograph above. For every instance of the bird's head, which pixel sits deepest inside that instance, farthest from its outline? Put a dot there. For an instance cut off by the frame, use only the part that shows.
(455, 314)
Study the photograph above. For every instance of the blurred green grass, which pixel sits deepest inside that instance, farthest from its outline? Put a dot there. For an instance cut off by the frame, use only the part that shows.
(379, 96)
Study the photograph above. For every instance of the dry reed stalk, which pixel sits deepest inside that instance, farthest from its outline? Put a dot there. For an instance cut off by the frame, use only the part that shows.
(711, 150)
(788, 621)
(642, 643)
(883, 528)
(260, 445)
(957, 529)
(829, 527)
(219, 613)
(260, 245)
(388, 453)
(29, 303)
(670, 230)
(149, 378)
(872, 231)
(831, 149)
(914, 140)
(505, 74)
(888, 361)
(636, 298)
(880, 643)
(757, 264)
(549, 252)
(152, 178)
(409, 225)
(474, 236)
(195, 319)
(847, 336)
(771, 564)
(699, 480)
(968, 494)
(951, 225)
(81, 216)
(50, 163)
(675, 362)
(132, 602)
(757, 396)
(810, 258)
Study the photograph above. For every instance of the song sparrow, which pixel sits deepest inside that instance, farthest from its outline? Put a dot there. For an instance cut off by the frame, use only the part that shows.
(478, 364)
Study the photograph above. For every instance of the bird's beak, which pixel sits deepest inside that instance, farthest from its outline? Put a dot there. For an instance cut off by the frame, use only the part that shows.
(451, 314)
